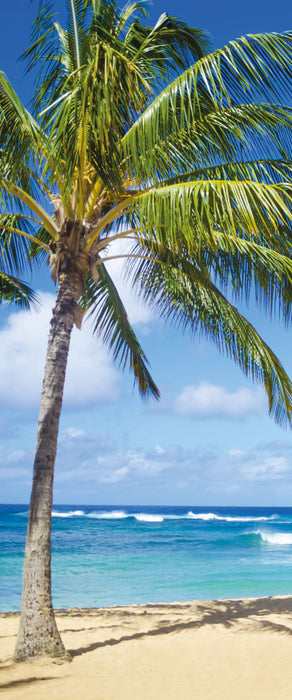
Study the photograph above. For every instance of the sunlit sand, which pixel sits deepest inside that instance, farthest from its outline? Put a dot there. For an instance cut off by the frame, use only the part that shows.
(234, 649)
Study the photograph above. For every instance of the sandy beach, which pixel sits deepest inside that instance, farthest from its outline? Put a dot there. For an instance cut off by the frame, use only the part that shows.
(214, 650)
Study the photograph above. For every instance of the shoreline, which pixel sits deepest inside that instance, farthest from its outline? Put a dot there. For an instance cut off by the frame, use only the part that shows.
(206, 649)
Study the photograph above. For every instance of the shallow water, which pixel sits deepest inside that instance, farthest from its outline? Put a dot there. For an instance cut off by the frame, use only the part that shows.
(116, 555)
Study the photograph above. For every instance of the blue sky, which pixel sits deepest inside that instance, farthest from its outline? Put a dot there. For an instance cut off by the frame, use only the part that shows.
(209, 441)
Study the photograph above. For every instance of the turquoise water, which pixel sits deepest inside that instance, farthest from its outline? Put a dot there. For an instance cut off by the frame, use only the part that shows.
(117, 555)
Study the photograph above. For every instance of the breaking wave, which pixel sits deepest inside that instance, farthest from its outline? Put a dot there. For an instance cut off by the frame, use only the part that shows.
(229, 518)
(146, 518)
(276, 538)
(120, 515)
(159, 517)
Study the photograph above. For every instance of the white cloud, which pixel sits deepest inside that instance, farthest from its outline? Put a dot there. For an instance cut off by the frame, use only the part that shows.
(99, 460)
(16, 456)
(238, 454)
(8, 456)
(210, 401)
(115, 476)
(159, 450)
(74, 432)
(95, 468)
(90, 375)
(95, 461)
(265, 469)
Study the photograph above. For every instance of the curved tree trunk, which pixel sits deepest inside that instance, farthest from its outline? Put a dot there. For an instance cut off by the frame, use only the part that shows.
(38, 634)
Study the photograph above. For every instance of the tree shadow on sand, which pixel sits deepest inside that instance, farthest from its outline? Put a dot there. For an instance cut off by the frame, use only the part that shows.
(25, 681)
(174, 618)
(254, 615)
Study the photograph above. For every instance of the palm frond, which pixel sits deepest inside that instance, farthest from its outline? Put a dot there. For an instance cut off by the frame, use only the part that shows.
(264, 170)
(170, 46)
(239, 72)
(97, 75)
(111, 323)
(243, 267)
(42, 55)
(15, 291)
(19, 136)
(187, 297)
(14, 242)
(187, 214)
(226, 135)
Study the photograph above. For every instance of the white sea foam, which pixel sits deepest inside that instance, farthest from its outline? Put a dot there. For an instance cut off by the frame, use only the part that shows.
(146, 518)
(70, 514)
(159, 517)
(109, 515)
(229, 518)
(279, 538)
(247, 519)
(202, 516)
(120, 514)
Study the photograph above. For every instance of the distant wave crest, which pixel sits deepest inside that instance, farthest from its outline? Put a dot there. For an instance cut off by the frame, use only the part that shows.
(120, 515)
(147, 518)
(159, 517)
(229, 518)
(111, 515)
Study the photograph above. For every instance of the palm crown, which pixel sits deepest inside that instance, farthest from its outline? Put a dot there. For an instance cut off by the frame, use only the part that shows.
(189, 174)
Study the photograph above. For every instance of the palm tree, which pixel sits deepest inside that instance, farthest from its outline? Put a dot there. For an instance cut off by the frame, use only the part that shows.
(185, 176)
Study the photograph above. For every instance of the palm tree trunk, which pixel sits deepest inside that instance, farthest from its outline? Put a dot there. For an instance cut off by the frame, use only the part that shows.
(38, 634)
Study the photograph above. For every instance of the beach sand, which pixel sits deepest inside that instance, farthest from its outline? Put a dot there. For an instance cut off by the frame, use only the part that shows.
(218, 650)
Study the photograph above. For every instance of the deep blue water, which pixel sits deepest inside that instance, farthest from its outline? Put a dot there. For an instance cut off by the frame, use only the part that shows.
(116, 555)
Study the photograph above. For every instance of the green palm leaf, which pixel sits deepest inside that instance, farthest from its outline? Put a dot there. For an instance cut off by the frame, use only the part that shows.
(186, 297)
(111, 323)
(222, 136)
(187, 214)
(241, 69)
(253, 267)
(14, 290)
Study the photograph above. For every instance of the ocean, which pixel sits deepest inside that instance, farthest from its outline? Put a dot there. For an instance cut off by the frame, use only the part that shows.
(119, 555)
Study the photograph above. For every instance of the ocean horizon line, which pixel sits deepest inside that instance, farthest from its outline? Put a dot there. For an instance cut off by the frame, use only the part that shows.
(150, 505)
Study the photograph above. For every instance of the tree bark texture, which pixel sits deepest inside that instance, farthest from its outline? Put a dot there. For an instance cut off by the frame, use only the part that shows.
(38, 634)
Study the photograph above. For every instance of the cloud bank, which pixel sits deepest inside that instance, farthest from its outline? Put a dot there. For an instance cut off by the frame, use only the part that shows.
(95, 468)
